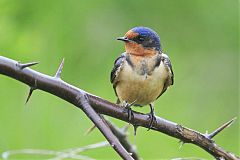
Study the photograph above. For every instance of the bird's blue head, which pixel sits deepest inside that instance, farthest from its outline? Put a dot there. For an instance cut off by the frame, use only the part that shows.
(143, 36)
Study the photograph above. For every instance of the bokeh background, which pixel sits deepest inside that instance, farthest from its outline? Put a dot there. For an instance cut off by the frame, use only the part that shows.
(200, 36)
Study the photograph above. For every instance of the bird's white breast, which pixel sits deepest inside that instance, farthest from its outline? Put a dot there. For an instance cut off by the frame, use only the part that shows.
(143, 89)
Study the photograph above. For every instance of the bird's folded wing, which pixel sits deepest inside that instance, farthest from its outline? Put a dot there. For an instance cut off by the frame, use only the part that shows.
(170, 80)
(116, 69)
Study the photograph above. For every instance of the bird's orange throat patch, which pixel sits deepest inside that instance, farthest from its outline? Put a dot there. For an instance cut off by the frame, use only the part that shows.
(138, 50)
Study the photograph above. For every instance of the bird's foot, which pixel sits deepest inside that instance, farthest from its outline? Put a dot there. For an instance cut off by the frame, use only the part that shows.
(152, 120)
(128, 110)
(151, 117)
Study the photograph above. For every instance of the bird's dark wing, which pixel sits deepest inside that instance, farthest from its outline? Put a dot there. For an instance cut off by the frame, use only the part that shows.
(116, 69)
(170, 80)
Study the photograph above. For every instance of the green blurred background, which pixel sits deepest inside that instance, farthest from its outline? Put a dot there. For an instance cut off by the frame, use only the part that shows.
(200, 36)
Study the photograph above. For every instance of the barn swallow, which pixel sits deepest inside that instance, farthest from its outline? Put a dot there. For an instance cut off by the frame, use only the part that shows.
(143, 72)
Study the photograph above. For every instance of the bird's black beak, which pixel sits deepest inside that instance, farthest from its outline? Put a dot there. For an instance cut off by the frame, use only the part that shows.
(124, 39)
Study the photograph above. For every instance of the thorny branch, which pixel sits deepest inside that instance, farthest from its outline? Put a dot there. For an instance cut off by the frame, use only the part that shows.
(122, 136)
(102, 126)
(53, 85)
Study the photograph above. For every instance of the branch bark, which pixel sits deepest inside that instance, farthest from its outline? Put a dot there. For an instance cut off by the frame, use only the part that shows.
(102, 126)
(65, 91)
(122, 136)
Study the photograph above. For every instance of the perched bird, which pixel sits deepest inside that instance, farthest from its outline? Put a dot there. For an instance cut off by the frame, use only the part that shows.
(143, 72)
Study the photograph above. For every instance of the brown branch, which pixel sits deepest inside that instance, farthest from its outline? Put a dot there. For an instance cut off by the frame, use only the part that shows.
(83, 103)
(122, 136)
(102, 126)
(70, 93)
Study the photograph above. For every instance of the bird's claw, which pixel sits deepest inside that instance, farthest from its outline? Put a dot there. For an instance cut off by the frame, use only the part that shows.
(151, 117)
(128, 110)
(152, 120)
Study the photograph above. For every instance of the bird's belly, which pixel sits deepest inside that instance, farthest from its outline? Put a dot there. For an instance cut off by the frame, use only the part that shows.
(143, 89)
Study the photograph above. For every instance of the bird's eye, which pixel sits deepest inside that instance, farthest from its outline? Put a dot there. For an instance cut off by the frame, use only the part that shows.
(141, 38)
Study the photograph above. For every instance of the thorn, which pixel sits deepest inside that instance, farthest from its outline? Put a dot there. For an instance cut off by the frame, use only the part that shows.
(181, 144)
(89, 130)
(206, 133)
(24, 65)
(59, 71)
(125, 128)
(226, 125)
(135, 127)
(29, 94)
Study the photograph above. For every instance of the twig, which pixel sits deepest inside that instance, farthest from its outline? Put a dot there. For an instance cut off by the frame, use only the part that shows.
(88, 147)
(74, 152)
(58, 155)
(7, 154)
(69, 93)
